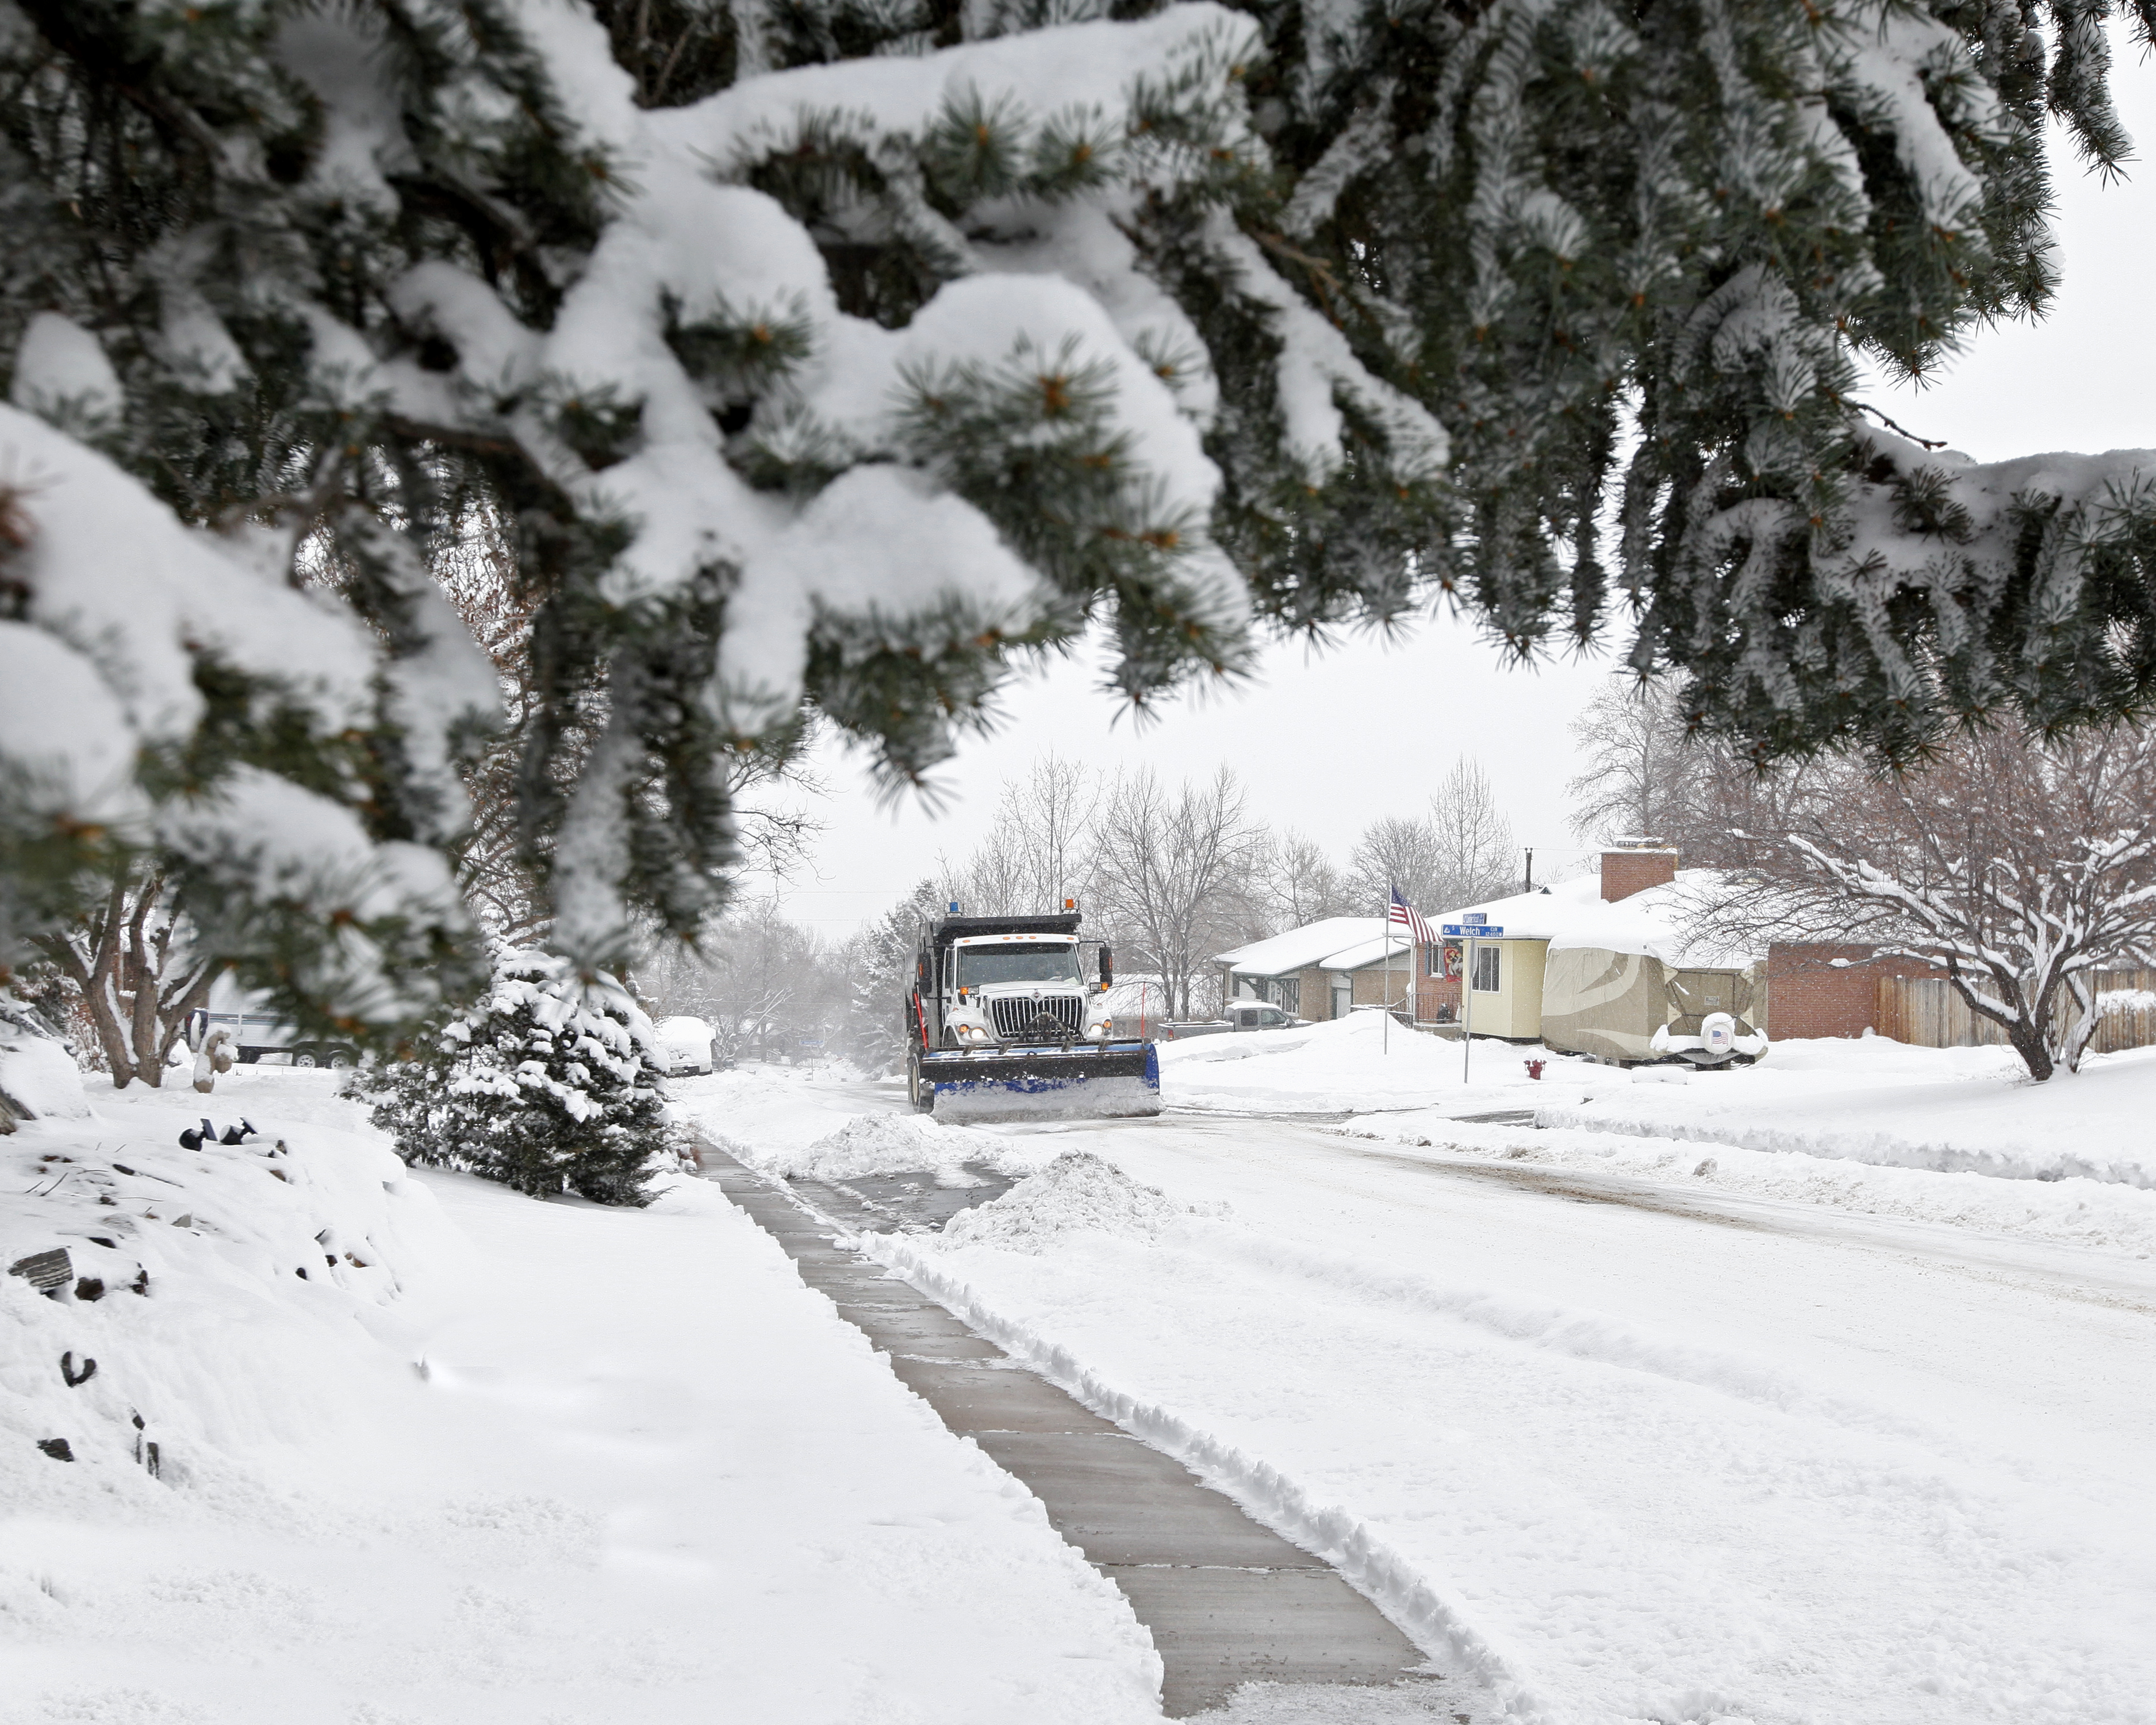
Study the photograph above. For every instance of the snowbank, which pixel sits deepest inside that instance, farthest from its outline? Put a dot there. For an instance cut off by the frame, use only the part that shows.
(234, 1297)
(640, 1470)
(1076, 1190)
(798, 1123)
(902, 1143)
(1874, 1101)
(1350, 1065)
(2088, 1214)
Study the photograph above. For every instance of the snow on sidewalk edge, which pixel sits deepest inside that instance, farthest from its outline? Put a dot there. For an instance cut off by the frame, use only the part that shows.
(1434, 1623)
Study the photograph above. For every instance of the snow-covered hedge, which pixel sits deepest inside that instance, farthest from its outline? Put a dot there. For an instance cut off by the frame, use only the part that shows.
(549, 1084)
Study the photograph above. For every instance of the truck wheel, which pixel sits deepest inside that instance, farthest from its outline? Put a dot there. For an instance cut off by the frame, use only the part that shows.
(343, 1060)
(305, 1057)
(921, 1096)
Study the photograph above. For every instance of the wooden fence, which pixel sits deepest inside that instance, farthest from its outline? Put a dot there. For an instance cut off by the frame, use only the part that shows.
(1928, 1012)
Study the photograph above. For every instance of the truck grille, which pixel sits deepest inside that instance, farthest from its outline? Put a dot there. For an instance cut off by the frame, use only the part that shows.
(1019, 1020)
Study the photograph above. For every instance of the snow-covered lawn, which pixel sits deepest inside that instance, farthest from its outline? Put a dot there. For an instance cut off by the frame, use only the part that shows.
(645, 1474)
(1352, 1065)
(1870, 1100)
(1881, 1101)
(1748, 1457)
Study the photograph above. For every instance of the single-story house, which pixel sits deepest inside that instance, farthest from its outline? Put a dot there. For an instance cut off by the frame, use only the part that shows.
(1324, 968)
(1594, 964)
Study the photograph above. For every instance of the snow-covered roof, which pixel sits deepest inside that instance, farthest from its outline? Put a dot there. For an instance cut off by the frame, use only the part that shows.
(1660, 921)
(1312, 947)
(1372, 952)
(1541, 915)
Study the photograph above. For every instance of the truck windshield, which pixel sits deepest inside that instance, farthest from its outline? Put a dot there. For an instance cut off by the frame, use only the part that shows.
(983, 967)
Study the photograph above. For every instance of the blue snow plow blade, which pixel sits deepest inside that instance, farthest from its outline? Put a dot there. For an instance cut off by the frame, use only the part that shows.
(1113, 1079)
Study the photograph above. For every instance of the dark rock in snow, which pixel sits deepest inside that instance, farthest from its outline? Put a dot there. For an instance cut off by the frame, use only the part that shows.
(57, 1448)
(45, 1271)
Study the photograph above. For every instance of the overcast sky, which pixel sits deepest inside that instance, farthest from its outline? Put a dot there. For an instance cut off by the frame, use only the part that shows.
(1329, 742)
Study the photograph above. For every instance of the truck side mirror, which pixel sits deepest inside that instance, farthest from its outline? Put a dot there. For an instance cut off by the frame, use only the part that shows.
(1108, 968)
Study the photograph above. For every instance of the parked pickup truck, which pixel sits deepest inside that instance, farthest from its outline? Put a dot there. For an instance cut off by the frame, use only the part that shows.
(1242, 1015)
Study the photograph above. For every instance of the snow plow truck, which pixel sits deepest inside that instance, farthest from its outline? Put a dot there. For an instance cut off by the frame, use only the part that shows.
(1001, 1024)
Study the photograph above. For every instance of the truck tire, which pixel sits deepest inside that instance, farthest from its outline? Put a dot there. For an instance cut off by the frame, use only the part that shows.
(341, 1059)
(306, 1057)
(921, 1096)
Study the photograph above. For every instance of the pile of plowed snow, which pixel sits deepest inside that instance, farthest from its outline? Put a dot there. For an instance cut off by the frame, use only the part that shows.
(1078, 1190)
(898, 1144)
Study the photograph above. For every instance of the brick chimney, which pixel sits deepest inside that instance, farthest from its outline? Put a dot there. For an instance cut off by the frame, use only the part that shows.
(1631, 865)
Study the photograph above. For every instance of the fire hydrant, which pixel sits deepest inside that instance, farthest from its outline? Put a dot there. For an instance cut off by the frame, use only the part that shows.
(1535, 1068)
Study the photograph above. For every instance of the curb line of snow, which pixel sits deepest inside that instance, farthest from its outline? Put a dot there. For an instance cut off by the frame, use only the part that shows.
(1876, 1150)
(1433, 1623)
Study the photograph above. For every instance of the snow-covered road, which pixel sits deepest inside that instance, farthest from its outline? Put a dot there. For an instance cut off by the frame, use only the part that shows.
(1657, 1457)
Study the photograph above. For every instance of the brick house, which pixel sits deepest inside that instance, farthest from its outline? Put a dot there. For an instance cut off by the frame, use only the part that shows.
(1830, 987)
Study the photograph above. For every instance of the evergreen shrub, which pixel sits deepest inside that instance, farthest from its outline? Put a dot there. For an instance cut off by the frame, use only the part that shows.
(547, 1085)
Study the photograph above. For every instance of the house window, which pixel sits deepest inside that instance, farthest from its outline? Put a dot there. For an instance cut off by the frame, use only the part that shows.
(1487, 974)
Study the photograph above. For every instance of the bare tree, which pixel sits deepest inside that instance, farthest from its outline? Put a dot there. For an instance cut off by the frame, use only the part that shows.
(763, 984)
(1460, 852)
(134, 973)
(1477, 856)
(1042, 848)
(2020, 867)
(1633, 736)
(1647, 777)
(1176, 872)
(1299, 883)
(1398, 853)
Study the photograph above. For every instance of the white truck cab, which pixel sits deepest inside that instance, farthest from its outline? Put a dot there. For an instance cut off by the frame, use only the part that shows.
(1021, 988)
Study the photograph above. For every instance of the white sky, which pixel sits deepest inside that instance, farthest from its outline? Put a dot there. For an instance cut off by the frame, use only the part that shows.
(1327, 742)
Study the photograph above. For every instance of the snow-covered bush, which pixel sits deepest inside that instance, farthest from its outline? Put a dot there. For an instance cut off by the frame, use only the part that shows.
(550, 1084)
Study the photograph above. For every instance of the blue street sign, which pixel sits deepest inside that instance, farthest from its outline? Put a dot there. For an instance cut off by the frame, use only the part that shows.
(1477, 931)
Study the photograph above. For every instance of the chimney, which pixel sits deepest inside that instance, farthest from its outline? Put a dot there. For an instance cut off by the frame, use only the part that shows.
(1631, 865)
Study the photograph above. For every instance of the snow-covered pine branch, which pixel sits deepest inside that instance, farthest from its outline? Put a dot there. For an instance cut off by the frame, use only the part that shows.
(840, 353)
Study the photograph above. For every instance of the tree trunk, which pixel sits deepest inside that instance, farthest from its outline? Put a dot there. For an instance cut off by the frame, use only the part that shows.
(2028, 1032)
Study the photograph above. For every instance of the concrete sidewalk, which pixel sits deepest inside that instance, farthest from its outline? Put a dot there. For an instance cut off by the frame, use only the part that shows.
(1228, 1602)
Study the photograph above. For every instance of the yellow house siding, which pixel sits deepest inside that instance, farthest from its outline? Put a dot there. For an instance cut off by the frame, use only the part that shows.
(1515, 1010)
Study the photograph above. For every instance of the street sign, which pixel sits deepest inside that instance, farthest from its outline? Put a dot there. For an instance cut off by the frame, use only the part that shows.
(1474, 916)
(1475, 930)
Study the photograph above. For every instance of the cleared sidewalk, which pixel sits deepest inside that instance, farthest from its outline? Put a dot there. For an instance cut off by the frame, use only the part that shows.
(1228, 1601)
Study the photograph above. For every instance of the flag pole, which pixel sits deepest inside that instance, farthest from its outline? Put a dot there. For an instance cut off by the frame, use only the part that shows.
(1385, 1035)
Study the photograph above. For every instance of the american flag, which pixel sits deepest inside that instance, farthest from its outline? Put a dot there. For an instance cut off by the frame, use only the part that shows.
(1408, 917)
